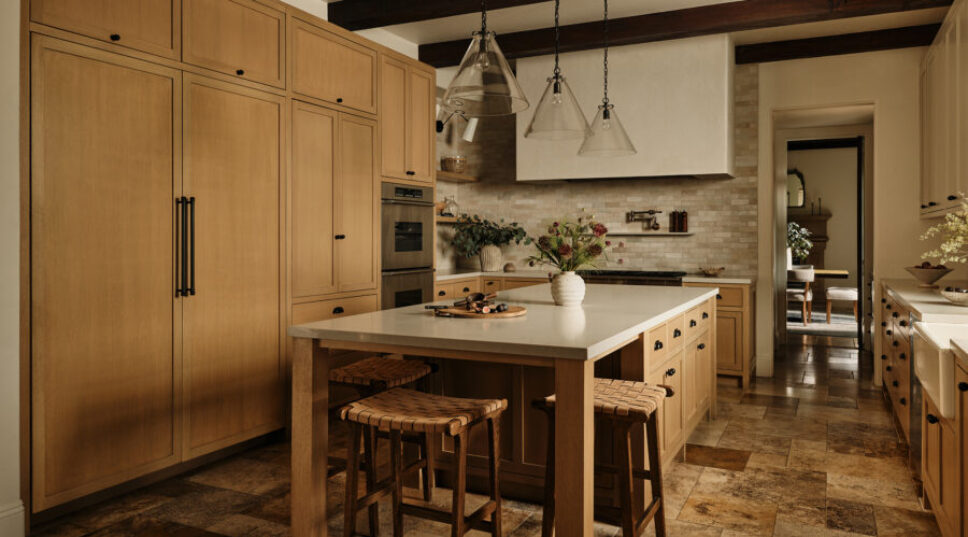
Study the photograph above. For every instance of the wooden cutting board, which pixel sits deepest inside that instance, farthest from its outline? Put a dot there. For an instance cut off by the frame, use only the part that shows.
(512, 311)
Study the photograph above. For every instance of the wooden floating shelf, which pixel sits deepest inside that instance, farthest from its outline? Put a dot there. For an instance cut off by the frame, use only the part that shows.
(446, 219)
(454, 177)
(653, 234)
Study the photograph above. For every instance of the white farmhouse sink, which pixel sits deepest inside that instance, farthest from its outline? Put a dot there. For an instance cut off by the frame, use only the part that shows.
(934, 363)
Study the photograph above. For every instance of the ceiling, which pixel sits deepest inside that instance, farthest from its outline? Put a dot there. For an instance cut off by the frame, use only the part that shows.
(540, 15)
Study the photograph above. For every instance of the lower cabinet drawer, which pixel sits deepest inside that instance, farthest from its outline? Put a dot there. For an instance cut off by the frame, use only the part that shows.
(730, 297)
(676, 333)
(329, 309)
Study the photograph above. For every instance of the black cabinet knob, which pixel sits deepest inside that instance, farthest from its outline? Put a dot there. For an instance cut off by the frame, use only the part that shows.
(441, 293)
(923, 206)
(115, 37)
(895, 343)
(670, 372)
(888, 306)
(889, 368)
(889, 332)
(692, 322)
(952, 197)
(340, 237)
(895, 384)
(467, 289)
(902, 356)
(903, 323)
(903, 401)
(338, 309)
(240, 72)
(719, 297)
(884, 323)
(658, 345)
(963, 386)
(883, 301)
(895, 315)
(676, 333)
(883, 357)
(932, 419)
(932, 203)
(339, 99)
(705, 315)
(701, 346)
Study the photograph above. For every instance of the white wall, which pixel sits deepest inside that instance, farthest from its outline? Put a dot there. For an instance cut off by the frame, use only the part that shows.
(889, 81)
(378, 35)
(831, 176)
(11, 508)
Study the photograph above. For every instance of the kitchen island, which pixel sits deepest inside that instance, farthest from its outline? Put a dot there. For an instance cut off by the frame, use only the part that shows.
(647, 333)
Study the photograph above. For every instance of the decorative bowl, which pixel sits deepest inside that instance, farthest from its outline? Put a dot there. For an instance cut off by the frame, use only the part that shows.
(453, 164)
(927, 276)
(956, 295)
(712, 272)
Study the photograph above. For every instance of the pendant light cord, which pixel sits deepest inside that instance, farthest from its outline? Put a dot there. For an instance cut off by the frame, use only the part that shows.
(483, 19)
(605, 61)
(557, 43)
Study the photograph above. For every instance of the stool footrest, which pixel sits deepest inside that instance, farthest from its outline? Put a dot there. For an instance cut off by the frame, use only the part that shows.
(385, 486)
(474, 521)
(638, 473)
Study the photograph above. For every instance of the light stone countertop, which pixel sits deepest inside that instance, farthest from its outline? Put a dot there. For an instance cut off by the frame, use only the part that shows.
(960, 348)
(447, 275)
(927, 304)
(610, 316)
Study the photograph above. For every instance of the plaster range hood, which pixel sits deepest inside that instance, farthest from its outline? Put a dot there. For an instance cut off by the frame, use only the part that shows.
(676, 102)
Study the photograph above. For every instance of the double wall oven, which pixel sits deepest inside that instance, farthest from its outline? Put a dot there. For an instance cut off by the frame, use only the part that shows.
(408, 245)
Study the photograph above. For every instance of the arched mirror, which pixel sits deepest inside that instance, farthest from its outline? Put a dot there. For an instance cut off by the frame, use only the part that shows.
(796, 190)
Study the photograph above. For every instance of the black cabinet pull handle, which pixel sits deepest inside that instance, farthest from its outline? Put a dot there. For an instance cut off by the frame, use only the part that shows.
(337, 310)
(883, 301)
(895, 315)
(719, 297)
(884, 323)
(658, 345)
(467, 289)
(191, 251)
(888, 306)
(903, 401)
(932, 419)
(340, 237)
(895, 384)
(895, 343)
(671, 372)
(339, 99)
(963, 386)
(883, 357)
(952, 198)
(889, 368)
(115, 37)
(889, 332)
(692, 322)
(676, 333)
(923, 206)
(701, 346)
(410, 172)
(182, 207)
(903, 323)
(932, 203)
(705, 315)
(441, 293)
(902, 356)
(240, 72)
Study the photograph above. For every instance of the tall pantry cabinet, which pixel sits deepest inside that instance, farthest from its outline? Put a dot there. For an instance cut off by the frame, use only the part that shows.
(194, 188)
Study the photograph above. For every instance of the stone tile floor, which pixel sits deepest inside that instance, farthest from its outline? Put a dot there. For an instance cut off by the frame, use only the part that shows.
(811, 452)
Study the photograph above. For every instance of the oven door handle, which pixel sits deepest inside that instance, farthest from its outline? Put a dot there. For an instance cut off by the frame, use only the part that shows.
(408, 271)
(402, 202)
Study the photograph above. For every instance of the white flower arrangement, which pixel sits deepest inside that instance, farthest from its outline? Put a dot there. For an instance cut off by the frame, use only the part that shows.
(954, 230)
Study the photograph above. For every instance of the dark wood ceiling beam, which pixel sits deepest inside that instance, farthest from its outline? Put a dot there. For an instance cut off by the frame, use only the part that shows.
(703, 20)
(364, 14)
(911, 36)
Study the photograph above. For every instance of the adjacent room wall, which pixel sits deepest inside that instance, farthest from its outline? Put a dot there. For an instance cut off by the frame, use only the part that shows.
(11, 507)
(830, 175)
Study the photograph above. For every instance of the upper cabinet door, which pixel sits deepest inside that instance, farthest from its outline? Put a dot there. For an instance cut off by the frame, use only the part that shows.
(393, 117)
(420, 125)
(236, 37)
(151, 26)
(328, 67)
(357, 190)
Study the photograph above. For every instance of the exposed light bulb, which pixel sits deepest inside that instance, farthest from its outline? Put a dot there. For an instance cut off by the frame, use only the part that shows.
(556, 98)
(483, 63)
(606, 124)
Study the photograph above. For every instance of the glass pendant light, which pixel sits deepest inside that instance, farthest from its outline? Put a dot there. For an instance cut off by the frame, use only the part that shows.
(484, 84)
(558, 116)
(607, 137)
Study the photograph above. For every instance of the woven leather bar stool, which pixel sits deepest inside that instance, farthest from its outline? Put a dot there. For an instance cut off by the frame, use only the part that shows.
(622, 404)
(374, 375)
(400, 411)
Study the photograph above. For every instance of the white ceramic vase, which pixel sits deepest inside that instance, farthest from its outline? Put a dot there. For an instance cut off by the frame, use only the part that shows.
(568, 289)
(491, 258)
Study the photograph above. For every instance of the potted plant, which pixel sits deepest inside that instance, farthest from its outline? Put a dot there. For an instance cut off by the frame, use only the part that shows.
(798, 242)
(484, 238)
(953, 248)
(569, 246)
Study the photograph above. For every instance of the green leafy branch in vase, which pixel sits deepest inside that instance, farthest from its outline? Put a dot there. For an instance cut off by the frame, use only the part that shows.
(954, 232)
(472, 233)
(571, 245)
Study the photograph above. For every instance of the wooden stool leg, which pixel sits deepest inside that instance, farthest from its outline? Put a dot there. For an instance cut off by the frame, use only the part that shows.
(655, 474)
(494, 451)
(829, 304)
(372, 478)
(625, 481)
(352, 480)
(804, 313)
(548, 515)
(396, 454)
(460, 485)
(427, 453)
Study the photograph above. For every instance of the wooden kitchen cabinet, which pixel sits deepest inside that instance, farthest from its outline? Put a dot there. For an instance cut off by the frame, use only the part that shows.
(734, 329)
(940, 464)
(407, 100)
(895, 358)
(334, 201)
(961, 423)
(671, 374)
(331, 68)
(322, 310)
(102, 360)
(233, 341)
(152, 26)
(514, 283)
(237, 37)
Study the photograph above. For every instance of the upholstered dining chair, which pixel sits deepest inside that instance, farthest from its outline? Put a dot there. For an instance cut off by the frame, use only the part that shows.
(803, 295)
